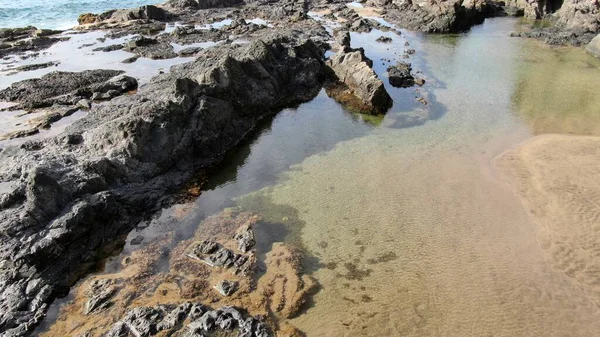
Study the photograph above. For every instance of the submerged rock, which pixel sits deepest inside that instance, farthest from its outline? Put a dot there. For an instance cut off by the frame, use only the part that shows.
(245, 238)
(226, 288)
(99, 293)
(384, 39)
(594, 46)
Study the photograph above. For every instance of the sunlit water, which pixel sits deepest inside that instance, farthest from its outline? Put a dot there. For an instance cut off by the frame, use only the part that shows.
(57, 14)
(406, 225)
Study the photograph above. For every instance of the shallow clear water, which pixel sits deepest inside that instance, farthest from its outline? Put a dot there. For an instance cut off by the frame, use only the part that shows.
(57, 14)
(405, 223)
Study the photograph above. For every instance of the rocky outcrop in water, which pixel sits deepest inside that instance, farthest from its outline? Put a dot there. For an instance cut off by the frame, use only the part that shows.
(27, 39)
(356, 84)
(438, 16)
(189, 319)
(67, 88)
(148, 12)
(60, 94)
(574, 22)
(400, 75)
(150, 48)
(75, 193)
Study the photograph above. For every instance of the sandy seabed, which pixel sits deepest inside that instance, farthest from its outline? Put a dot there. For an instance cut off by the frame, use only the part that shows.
(557, 178)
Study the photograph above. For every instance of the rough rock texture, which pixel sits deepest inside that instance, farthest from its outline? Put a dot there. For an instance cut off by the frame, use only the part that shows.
(245, 238)
(439, 16)
(594, 46)
(200, 320)
(21, 40)
(558, 36)
(32, 67)
(75, 193)
(201, 4)
(148, 12)
(163, 272)
(150, 48)
(226, 288)
(67, 88)
(400, 75)
(356, 83)
(575, 22)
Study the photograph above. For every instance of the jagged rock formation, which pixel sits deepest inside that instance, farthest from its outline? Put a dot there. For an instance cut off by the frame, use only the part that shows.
(173, 301)
(400, 75)
(76, 192)
(151, 321)
(21, 40)
(438, 16)
(356, 84)
(60, 94)
(148, 12)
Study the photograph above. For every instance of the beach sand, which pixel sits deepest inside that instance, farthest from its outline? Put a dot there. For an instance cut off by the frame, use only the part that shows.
(557, 178)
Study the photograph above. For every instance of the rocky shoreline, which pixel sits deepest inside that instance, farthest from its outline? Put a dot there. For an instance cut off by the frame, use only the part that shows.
(69, 196)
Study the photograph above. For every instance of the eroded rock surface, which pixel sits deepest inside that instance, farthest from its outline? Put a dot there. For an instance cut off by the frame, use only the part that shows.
(439, 16)
(176, 299)
(400, 75)
(27, 39)
(74, 193)
(356, 83)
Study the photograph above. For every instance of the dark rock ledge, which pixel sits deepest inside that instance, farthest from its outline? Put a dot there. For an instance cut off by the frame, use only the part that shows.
(77, 192)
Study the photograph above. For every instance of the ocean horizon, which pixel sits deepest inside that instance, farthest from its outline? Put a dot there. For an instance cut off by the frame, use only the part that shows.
(57, 14)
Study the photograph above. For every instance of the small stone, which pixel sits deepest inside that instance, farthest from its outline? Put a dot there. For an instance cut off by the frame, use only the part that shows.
(384, 39)
(226, 288)
(245, 238)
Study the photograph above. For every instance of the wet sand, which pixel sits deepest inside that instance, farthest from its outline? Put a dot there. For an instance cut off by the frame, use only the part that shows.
(557, 177)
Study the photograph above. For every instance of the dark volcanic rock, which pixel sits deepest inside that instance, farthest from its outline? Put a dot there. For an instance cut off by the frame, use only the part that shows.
(150, 48)
(99, 295)
(20, 40)
(35, 66)
(400, 76)
(78, 191)
(66, 88)
(439, 16)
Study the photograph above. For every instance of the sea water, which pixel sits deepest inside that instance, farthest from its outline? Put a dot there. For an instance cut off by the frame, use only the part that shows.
(57, 14)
